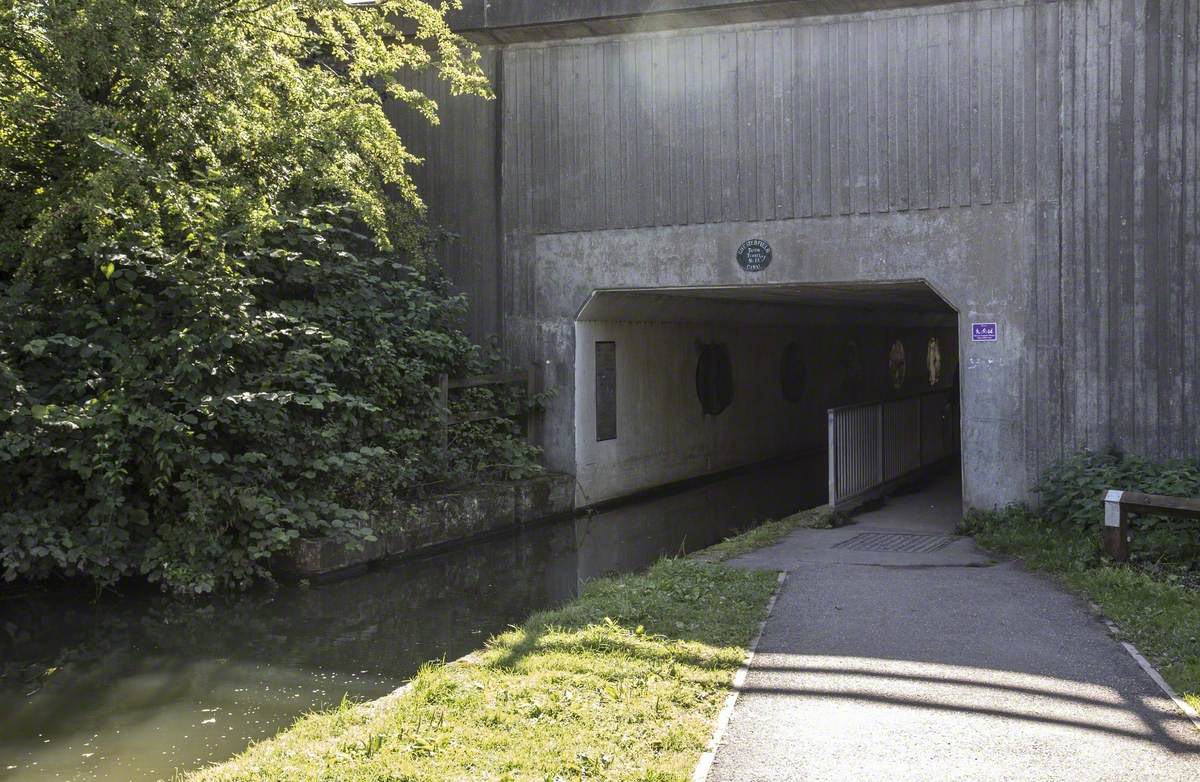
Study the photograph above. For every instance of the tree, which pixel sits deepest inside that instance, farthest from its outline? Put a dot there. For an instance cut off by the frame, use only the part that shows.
(217, 319)
(181, 120)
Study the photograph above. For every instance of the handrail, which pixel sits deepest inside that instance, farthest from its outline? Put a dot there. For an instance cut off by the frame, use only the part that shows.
(898, 398)
(875, 445)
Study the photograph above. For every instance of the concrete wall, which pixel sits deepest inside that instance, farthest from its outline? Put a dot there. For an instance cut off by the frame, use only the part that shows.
(512, 21)
(1037, 163)
(897, 111)
(460, 183)
(663, 434)
(645, 160)
(1121, 321)
(980, 260)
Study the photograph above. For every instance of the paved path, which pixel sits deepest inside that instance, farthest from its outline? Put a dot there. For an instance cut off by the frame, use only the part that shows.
(939, 665)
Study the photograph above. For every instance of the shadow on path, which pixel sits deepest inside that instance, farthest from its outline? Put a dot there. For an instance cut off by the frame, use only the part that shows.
(928, 668)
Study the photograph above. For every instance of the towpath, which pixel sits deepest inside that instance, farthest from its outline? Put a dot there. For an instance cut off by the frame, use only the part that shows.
(935, 662)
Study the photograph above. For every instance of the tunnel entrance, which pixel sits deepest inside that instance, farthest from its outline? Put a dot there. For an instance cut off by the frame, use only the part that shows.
(678, 385)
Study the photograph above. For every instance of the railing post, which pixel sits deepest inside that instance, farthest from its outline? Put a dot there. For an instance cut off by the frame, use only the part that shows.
(833, 458)
(1116, 527)
(879, 453)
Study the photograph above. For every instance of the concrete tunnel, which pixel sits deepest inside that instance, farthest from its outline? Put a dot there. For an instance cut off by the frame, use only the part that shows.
(676, 386)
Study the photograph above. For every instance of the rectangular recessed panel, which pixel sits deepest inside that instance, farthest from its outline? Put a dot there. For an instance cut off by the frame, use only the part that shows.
(606, 391)
(903, 542)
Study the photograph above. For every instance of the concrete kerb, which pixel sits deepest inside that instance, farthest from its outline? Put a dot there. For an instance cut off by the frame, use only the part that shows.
(700, 774)
(1149, 668)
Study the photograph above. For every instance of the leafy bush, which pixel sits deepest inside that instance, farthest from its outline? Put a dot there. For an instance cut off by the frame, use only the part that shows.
(219, 327)
(1072, 491)
(168, 421)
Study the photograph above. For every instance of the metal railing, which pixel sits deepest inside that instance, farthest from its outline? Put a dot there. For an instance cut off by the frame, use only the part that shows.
(875, 445)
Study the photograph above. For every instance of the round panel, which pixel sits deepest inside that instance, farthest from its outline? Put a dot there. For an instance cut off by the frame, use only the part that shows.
(933, 360)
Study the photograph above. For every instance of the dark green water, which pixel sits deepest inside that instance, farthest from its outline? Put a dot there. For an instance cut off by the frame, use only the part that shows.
(139, 687)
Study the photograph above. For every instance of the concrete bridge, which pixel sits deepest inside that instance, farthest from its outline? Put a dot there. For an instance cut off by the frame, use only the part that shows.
(815, 193)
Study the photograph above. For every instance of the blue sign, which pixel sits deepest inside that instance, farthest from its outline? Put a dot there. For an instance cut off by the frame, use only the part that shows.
(984, 332)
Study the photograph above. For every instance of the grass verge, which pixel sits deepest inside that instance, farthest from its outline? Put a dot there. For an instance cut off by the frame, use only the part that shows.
(623, 684)
(770, 532)
(1158, 616)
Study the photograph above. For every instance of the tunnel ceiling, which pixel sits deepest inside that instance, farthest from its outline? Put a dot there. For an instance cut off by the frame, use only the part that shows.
(766, 303)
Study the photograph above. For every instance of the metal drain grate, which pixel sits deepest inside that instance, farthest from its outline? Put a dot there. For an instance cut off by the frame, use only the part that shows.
(903, 542)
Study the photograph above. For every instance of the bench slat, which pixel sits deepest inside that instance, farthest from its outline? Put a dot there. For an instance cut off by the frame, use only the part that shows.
(1119, 504)
(1137, 502)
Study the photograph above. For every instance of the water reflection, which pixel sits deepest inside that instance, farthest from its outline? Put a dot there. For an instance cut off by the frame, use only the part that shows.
(140, 687)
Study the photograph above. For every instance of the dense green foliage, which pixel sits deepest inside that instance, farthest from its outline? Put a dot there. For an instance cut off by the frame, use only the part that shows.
(622, 684)
(218, 323)
(1156, 611)
(1071, 494)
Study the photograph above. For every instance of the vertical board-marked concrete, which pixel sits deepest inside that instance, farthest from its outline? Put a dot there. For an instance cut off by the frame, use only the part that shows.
(1035, 161)
(821, 125)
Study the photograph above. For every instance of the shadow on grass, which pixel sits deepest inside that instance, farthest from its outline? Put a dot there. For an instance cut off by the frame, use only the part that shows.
(650, 616)
(533, 643)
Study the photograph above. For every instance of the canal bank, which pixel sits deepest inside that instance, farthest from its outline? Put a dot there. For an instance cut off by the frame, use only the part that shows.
(622, 683)
(434, 523)
(870, 649)
(135, 686)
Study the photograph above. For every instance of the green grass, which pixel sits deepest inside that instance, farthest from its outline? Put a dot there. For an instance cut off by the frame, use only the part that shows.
(623, 684)
(1158, 616)
(768, 533)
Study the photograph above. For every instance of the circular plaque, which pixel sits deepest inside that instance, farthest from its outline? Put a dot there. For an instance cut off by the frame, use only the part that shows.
(754, 255)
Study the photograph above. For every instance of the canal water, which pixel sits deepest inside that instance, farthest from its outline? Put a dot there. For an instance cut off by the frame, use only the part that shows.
(140, 686)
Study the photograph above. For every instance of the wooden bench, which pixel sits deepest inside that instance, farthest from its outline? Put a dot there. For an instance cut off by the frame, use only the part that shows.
(1118, 505)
